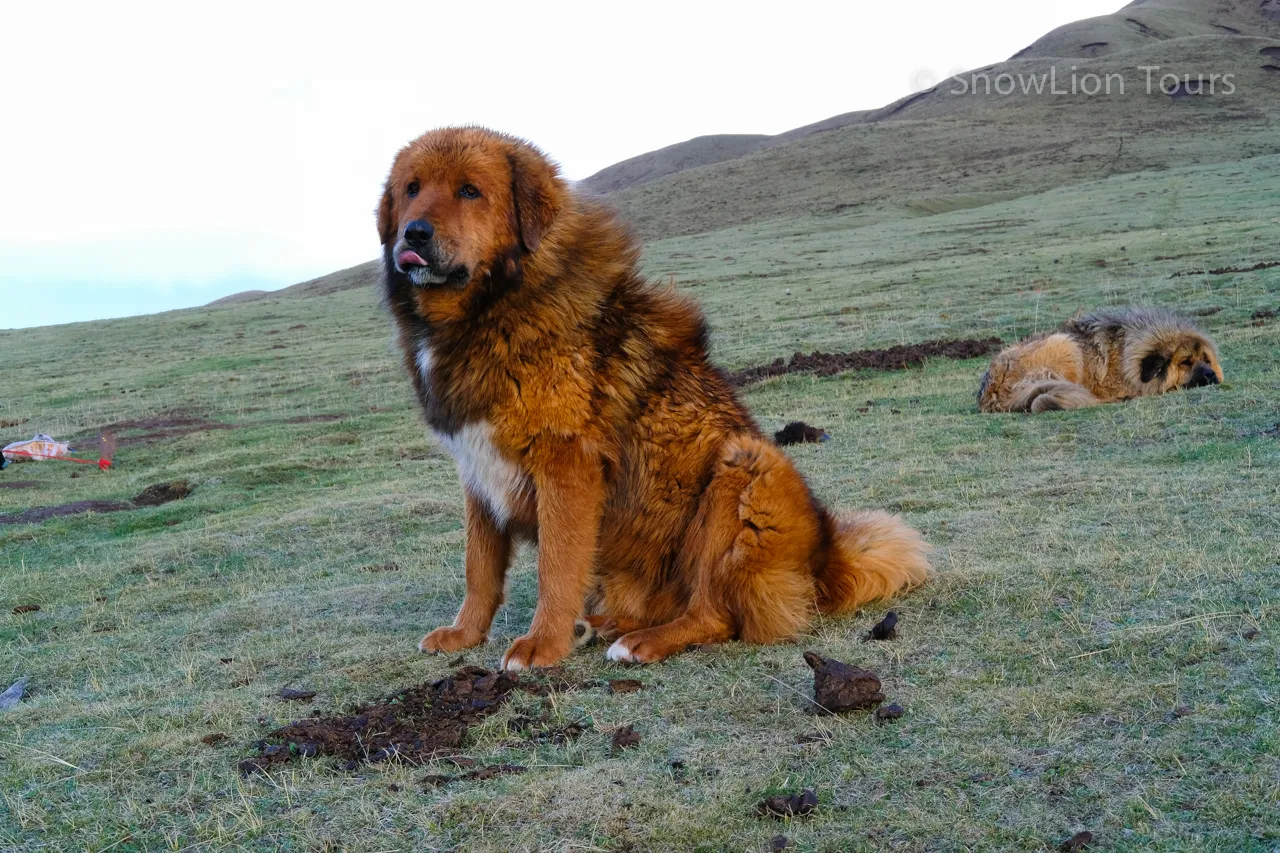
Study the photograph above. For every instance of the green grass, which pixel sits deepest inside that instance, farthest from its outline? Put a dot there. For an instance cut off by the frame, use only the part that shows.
(1095, 569)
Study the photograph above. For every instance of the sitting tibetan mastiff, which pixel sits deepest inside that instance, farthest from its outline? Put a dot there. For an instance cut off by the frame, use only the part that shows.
(583, 413)
(1103, 357)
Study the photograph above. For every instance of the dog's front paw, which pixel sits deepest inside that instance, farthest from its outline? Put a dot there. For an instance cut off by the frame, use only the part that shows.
(532, 651)
(450, 639)
(645, 646)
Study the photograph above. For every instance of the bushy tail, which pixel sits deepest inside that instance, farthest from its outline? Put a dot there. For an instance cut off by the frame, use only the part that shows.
(876, 555)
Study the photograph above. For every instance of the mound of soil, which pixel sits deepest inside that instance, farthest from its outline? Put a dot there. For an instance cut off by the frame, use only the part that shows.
(1259, 267)
(414, 725)
(799, 432)
(163, 493)
(894, 358)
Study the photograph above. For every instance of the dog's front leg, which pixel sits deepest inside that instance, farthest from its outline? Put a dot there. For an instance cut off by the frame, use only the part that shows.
(570, 486)
(488, 557)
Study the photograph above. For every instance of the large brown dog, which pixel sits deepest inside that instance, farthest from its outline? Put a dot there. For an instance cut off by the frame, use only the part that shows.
(1103, 357)
(582, 410)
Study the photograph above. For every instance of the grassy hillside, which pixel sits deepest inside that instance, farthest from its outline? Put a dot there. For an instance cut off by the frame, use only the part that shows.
(1097, 651)
(1043, 128)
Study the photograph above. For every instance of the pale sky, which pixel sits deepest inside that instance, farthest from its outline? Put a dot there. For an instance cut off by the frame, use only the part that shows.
(157, 156)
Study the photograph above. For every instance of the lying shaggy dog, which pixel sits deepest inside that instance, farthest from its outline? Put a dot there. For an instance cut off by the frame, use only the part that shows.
(1103, 357)
(582, 410)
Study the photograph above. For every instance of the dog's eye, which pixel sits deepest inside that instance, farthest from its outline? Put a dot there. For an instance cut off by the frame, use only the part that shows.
(469, 191)
(1187, 362)
(412, 190)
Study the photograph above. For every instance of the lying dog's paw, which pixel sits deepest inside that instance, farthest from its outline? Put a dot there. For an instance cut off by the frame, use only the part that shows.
(450, 639)
(532, 651)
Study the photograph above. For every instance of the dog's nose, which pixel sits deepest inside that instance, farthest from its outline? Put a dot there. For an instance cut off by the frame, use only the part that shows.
(1203, 375)
(418, 233)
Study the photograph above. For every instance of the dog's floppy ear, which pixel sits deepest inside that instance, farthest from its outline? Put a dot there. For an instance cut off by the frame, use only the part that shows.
(536, 194)
(386, 217)
(1155, 364)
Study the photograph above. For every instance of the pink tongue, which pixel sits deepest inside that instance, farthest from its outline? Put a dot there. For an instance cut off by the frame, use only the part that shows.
(411, 258)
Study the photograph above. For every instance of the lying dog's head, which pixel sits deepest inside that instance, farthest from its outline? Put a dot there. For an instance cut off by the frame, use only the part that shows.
(1174, 358)
(459, 201)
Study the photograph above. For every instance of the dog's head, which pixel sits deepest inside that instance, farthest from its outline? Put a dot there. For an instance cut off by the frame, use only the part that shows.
(1178, 358)
(460, 201)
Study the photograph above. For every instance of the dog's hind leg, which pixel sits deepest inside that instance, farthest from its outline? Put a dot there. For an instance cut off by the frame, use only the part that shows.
(747, 555)
(1052, 395)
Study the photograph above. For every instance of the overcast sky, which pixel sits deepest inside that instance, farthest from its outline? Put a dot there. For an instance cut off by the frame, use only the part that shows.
(156, 156)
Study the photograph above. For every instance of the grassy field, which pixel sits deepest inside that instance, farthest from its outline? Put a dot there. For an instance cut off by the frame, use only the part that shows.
(1085, 659)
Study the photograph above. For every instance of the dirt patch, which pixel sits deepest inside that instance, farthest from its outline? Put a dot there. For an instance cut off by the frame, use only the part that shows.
(213, 739)
(290, 694)
(315, 419)
(1207, 312)
(26, 608)
(414, 725)
(799, 432)
(492, 771)
(1265, 265)
(839, 687)
(19, 484)
(555, 735)
(894, 358)
(785, 806)
(172, 424)
(6, 424)
(163, 493)
(160, 493)
(44, 513)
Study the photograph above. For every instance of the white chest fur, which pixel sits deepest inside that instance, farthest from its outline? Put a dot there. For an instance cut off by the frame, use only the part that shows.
(487, 474)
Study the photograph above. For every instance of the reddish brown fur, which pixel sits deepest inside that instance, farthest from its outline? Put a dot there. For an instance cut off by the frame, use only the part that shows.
(1103, 357)
(584, 412)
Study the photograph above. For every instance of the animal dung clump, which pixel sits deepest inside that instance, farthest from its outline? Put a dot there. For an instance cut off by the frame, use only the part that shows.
(799, 432)
(888, 713)
(624, 738)
(839, 687)
(785, 806)
(625, 685)
(1077, 842)
(885, 629)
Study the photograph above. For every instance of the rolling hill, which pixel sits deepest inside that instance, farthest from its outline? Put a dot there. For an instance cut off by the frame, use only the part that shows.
(963, 144)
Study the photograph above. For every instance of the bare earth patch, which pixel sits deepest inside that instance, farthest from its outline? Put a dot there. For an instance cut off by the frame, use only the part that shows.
(160, 493)
(414, 725)
(1259, 267)
(893, 358)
